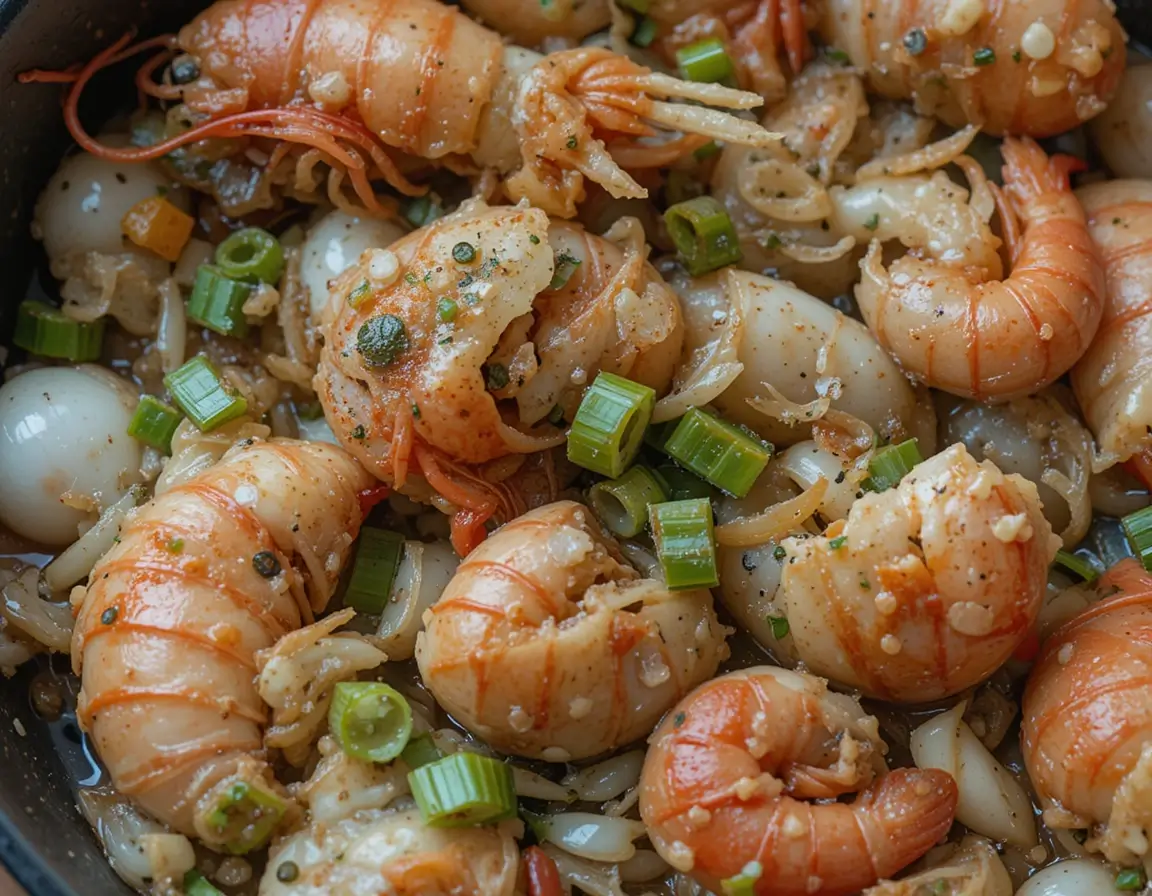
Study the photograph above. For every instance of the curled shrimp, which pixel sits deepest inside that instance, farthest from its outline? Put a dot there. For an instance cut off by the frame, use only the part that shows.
(394, 852)
(497, 348)
(950, 321)
(548, 645)
(175, 612)
(1036, 68)
(731, 771)
(1113, 380)
(344, 81)
(927, 588)
(1087, 720)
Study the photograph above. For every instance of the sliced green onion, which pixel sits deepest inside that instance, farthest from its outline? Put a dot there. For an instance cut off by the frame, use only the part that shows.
(891, 464)
(682, 531)
(196, 884)
(381, 340)
(420, 751)
(198, 391)
(44, 330)
(462, 790)
(217, 302)
(705, 61)
(623, 503)
(378, 555)
(704, 235)
(744, 883)
(780, 626)
(564, 266)
(244, 817)
(1138, 527)
(1077, 565)
(370, 720)
(1130, 879)
(644, 33)
(679, 484)
(609, 427)
(251, 254)
(154, 423)
(423, 210)
(718, 452)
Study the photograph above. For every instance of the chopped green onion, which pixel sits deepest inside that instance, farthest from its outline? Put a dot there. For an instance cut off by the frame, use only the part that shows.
(217, 302)
(196, 884)
(891, 464)
(381, 340)
(744, 883)
(199, 392)
(718, 452)
(370, 720)
(251, 254)
(1138, 527)
(244, 817)
(464, 252)
(44, 330)
(609, 427)
(682, 531)
(423, 210)
(1130, 879)
(565, 265)
(462, 790)
(1077, 565)
(706, 151)
(780, 626)
(984, 56)
(623, 503)
(420, 751)
(644, 33)
(706, 61)
(873, 221)
(704, 235)
(446, 310)
(154, 423)
(679, 484)
(378, 554)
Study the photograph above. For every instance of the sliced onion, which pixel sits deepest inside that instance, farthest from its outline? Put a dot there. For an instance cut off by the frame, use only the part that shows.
(79, 558)
(120, 827)
(775, 522)
(589, 836)
(537, 787)
(779, 406)
(593, 878)
(172, 329)
(196, 252)
(608, 779)
(524, 443)
(424, 573)
(927, 158)
(784, 191)
(46, 623)
(806, 254)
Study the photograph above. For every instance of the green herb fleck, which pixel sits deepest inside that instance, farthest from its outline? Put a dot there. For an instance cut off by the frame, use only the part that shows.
(865, 584)
(1130, 879)
(556, 415)
(416, 411)
(266, 564)
(984, 56)
(1016, 57)
(834, 55)
(176, 545)
(380, 340)
(565, 266)
(778, 553)
(679, 719)
(359, 293)
(873, 221)
(446, 310)
(496, 376)
(359, 432)
(572, 143)
(779, 626)
(464, 253)
(533, 239)
(838, 542)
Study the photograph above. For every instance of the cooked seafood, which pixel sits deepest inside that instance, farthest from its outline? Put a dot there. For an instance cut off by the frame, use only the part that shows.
(731, 770)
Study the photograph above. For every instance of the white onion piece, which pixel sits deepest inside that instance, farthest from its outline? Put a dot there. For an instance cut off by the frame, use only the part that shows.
(589, 836)
(593, 878)
(645, 865)
(172, 331)
(1074, 877)
(537, 787)
(806, 463)
(22, 607)
(79, 558)
(608, 779)
(992, 802)
(168, 855)
(196, 252)
(120, 828)
(424, 573)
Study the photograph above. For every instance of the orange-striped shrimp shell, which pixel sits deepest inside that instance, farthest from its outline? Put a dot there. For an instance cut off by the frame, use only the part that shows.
(1087, 719)
(1037, 68)
(747, 768)
(174, 613)
(983, 338)
(1113, 381)
(548, 645)
(927, 588)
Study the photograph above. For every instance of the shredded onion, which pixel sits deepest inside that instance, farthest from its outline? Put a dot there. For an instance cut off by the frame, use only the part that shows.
(784, 191)
(537, 787)
(775, 522)
(424, 573)
(589, 836)
(927, 158)
(46, 623)
(593, 878)
(808, 254)
(172, 330)
(120, 827)
(608, 779)
(779, 406)
(77, 561)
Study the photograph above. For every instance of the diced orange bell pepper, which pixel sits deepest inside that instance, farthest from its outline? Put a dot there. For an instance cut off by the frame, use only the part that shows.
(157, 225)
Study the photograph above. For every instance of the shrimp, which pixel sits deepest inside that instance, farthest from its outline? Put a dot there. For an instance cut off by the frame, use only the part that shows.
(173, 615)
(498, 347)
(341, 81)
(951, 322)
(1123, 132)
(970, 868)
(1113, 380)
(1035, 68)
(927, 588)
(394, 853)
(731, 770)
(1087, 720)
(548, 645)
